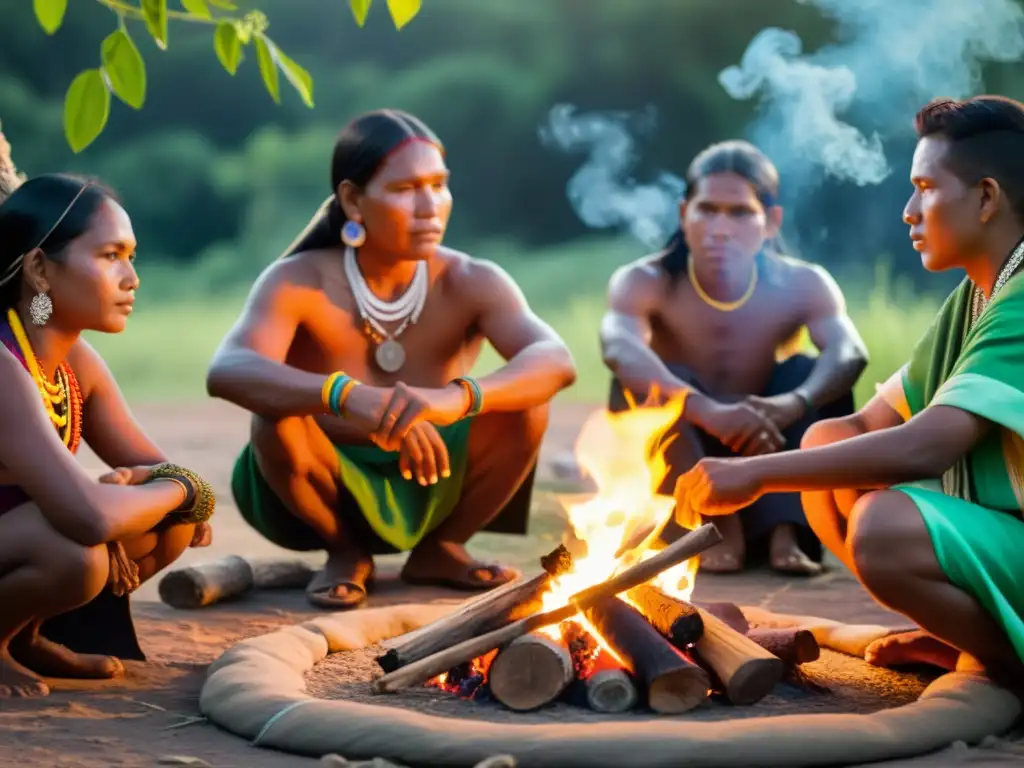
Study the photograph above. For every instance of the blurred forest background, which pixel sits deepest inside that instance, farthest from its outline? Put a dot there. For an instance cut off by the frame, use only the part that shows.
(218, 179)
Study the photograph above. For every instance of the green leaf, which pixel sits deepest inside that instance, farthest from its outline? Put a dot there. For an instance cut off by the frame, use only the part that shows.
(227, 46)
(268, 69)
(50, 14)
(360, 9)
(403, 11)
(124, 68)
(224, 5)
(297, 76)
(155, 13)
(86, 109)
(197, 8)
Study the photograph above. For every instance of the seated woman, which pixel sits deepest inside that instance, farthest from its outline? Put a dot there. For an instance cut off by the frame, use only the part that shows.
(72, 548)
(921, 493)
(352, 354)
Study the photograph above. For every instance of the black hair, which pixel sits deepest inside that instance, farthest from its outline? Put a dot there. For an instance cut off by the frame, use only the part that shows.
(46, 212)
(359, 151)
(986, 136)
(734, 156)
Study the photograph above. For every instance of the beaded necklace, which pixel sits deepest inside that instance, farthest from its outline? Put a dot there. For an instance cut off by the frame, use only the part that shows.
(64, 392)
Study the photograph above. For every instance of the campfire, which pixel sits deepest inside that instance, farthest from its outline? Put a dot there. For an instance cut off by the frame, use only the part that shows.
(608, 624)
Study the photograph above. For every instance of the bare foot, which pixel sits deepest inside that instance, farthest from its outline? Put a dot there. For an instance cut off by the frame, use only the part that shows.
(786, 555)
(729, 555)
(53, 660)
(16, 681)
(448, 564)
(345, 581)
(917, 647)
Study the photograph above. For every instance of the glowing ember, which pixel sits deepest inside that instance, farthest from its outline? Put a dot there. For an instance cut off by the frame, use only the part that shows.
(624, 454)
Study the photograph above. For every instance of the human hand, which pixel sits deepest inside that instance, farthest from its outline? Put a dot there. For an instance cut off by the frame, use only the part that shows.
(738, 426)
(409, 406)
(202, 537)
(782, 410)
(424, 455)
(126, 476)
(716, 487)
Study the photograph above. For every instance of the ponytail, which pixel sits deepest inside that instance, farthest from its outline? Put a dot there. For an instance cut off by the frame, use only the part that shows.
(322, 231)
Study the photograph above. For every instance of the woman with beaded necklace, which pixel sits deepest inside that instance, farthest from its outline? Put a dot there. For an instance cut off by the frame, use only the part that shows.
(71, 547)
(921, 493)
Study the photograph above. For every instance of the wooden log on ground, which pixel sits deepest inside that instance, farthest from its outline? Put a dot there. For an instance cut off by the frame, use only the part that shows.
(611, 691)
(671, 682)
(479, 615)
(531, 672)
(208, 583)
(690, 545)
(677, 620)
(747, 671)
(793, 646)
(730, 613)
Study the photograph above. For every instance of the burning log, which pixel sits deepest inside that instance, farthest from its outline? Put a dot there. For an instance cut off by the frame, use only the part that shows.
(207, 583)
(793, 646)
(690, 545)
(672, 682)
(531, 672)
(747, 671)
(480, 615)
(677, 620)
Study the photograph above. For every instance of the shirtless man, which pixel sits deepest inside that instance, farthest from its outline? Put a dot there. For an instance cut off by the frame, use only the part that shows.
(711, 316)
(409, 453)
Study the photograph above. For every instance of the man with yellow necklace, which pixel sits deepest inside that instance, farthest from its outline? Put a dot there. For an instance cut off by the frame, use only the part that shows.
(715, 318)
(72, 547)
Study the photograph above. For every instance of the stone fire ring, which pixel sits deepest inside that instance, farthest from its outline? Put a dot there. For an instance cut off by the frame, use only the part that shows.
(256, 690)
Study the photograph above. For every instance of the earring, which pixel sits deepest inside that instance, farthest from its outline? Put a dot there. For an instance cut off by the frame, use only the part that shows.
(353, 234)
(40, 308)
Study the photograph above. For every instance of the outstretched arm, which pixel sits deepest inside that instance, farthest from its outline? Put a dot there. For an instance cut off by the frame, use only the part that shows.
(626, 335)
(539, 364)
(73, 503)
(248, 368)
(843, 354)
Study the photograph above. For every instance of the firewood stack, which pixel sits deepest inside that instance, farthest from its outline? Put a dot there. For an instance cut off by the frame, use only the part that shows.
(621, 644)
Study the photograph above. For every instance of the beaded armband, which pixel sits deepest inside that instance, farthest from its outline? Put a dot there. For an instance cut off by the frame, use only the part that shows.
(476, 395)
(336, 390)
(200, 500)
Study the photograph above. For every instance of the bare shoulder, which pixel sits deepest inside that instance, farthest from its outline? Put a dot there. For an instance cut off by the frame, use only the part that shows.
(641, 276)
(302, 270)
(808, 280)
(473, 277)
(89, 367)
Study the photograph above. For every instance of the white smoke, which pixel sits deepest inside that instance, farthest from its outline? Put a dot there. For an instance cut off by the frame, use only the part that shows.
(603, 192)
(894, 56)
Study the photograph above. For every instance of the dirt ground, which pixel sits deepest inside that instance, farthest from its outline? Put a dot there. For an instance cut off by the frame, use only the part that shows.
(150, 717)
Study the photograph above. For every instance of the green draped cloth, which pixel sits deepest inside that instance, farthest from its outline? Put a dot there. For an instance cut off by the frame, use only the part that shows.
(974, 514)
(400, 512)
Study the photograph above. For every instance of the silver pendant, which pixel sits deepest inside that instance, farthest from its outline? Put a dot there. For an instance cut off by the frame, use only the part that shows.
(390, 356)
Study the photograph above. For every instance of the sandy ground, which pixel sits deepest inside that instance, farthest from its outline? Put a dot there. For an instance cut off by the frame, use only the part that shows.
(150, 717)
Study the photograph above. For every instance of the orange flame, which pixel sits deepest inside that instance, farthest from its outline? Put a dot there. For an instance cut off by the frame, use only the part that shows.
(624, 455)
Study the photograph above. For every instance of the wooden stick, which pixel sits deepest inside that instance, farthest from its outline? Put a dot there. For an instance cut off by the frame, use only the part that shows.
(677, 620)
(531, 672)
(793, 646)
(727, 612)
(672, 682)
(208, 583)
(690, 545)
(610, 690)
(747, 671)
(479, 615)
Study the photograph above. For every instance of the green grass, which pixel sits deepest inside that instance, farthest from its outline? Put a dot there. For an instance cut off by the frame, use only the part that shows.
(165, 351)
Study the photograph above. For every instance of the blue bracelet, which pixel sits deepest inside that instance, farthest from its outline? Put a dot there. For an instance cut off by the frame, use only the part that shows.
(476, 394)
(335, 394)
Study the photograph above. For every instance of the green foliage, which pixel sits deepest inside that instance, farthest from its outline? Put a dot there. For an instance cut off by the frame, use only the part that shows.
(123, 72)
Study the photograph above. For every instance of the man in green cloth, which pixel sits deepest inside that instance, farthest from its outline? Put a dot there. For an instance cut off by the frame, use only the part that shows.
(921, 492)
(352, 354)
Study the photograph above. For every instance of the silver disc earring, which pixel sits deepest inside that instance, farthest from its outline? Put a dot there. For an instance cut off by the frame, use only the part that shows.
(40, 308)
